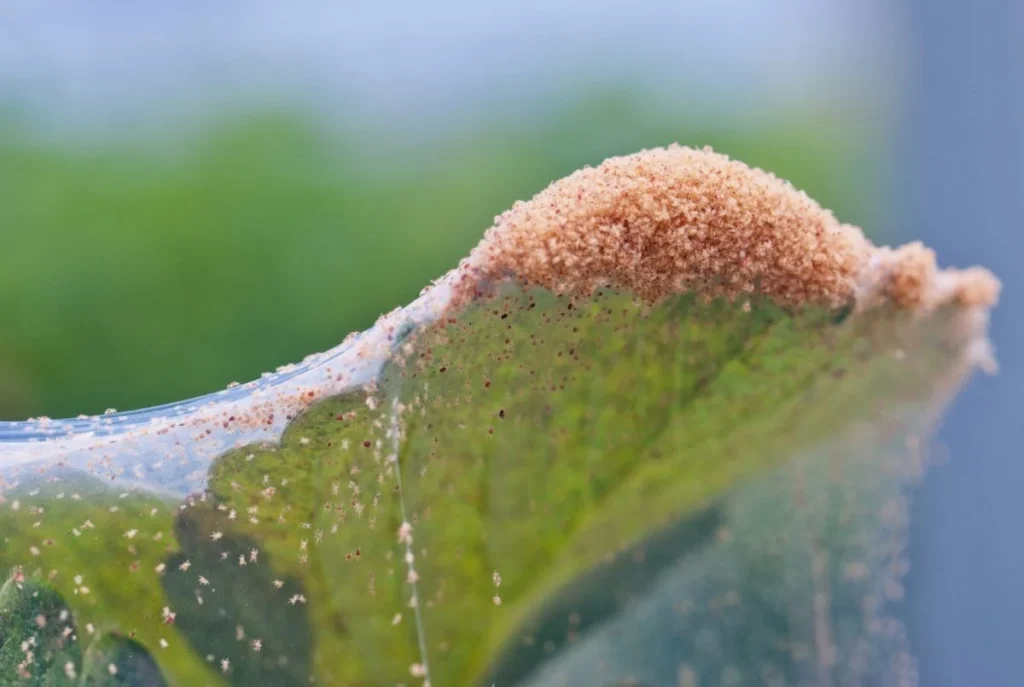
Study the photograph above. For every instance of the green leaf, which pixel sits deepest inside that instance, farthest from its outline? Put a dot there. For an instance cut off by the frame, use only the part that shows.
(544, 448)
(116, 660)
(81, 549)
(657, 429)
(34, 647)
(224, 600)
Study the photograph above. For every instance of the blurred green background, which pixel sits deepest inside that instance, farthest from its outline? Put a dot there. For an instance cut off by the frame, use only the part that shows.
(150, 271)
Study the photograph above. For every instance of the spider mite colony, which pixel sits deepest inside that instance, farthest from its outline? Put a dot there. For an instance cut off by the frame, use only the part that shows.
(657, 428)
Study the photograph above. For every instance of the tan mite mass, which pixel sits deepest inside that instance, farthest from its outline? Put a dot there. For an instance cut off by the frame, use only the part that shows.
(677, 219)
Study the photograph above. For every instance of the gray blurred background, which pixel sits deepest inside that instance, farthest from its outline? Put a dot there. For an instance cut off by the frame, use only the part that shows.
(192, 193)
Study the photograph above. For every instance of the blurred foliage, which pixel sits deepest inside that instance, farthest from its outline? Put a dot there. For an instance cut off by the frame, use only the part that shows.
(135, 274)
